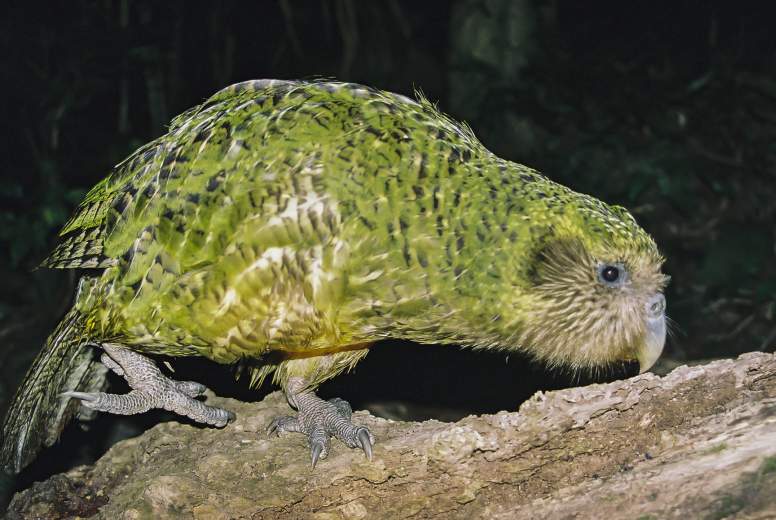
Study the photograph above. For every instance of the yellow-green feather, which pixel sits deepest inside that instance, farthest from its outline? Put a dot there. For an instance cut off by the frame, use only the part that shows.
(298, 218)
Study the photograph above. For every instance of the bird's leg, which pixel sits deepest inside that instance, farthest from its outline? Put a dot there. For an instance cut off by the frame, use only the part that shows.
(150, 389)
(320, 420)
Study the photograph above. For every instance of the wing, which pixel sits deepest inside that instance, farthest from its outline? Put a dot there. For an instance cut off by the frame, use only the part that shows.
(81, 244)
(132, 186)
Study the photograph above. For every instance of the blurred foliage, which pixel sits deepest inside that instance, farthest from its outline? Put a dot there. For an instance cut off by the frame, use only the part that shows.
(671, 113)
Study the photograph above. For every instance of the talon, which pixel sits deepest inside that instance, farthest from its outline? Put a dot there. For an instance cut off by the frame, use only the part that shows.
(321, 420)
(149, 389)
(365, 440)
(315, 451)
(83, 396)
(282, 424)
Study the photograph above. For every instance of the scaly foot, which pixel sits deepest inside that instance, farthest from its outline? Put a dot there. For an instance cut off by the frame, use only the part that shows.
(320, 420)
(150, 389)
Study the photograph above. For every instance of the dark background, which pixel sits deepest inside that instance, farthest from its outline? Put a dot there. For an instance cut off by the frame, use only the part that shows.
(668, 108)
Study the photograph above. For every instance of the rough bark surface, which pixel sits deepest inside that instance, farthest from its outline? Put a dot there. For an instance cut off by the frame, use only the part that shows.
(697, 443)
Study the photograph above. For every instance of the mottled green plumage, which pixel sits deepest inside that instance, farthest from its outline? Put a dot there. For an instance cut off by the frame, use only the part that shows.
(294, 223)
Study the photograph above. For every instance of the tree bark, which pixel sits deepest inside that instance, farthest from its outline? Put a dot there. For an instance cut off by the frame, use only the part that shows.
(697, 443)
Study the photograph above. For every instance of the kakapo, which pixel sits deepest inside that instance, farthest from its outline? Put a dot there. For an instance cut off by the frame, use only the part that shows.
(289, 225)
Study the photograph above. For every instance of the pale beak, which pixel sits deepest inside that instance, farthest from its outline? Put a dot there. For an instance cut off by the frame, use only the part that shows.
(656, 333)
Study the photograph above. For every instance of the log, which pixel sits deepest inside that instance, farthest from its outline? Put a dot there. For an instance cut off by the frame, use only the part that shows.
(697, 443)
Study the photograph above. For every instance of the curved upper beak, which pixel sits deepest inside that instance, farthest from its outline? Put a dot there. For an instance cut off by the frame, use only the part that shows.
(656, 332)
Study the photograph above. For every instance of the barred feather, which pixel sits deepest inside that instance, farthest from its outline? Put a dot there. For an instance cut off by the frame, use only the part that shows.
(37, 413)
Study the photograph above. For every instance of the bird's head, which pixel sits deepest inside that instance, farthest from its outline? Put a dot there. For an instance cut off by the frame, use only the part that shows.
(596, 290)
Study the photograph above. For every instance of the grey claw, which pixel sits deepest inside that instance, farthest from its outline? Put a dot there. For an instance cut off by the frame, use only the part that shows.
(315, 451)
(320, 421)
(230, 416)
(365, 440)
(282, 424)
(83, 396)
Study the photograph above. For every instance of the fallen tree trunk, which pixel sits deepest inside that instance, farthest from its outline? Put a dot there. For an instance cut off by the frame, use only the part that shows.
(699, 442)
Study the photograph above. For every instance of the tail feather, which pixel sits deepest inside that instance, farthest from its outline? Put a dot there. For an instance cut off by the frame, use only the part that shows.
(38, 414)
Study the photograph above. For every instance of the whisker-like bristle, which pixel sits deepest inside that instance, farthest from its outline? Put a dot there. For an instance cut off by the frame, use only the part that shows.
(673, 330)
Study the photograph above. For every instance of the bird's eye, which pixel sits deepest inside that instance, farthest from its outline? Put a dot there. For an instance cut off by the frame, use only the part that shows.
(612, 275)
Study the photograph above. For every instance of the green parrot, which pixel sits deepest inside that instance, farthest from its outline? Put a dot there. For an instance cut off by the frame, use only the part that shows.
(289, 225)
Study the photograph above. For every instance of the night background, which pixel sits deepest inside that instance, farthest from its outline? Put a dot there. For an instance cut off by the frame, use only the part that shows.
(668, 109)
